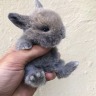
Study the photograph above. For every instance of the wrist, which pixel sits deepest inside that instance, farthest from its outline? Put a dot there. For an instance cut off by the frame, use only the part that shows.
(24, 90)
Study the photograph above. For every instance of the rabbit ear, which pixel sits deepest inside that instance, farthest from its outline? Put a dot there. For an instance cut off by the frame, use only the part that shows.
(38, 4)
(19, 20)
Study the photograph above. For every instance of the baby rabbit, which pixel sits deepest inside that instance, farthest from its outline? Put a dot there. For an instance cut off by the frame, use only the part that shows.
(45, 28)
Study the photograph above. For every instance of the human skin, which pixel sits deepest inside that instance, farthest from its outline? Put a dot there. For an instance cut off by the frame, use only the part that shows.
(12, 71)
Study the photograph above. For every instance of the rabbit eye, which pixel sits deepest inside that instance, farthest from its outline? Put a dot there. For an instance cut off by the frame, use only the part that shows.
(45, 28)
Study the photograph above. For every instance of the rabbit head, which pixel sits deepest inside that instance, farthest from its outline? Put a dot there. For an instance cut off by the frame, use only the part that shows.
(43, 25)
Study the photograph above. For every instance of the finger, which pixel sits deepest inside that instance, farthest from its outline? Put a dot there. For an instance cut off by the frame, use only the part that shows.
(50, 76)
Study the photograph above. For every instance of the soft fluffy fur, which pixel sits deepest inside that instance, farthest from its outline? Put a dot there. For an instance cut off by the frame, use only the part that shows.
(45, 28)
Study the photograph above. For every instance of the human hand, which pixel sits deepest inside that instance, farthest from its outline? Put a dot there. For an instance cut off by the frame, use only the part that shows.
(12, 71)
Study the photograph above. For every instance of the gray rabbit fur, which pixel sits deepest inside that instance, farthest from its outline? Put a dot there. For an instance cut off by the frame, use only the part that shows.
(45, 28)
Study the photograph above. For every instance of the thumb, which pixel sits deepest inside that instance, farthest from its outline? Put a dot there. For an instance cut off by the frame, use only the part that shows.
(19, 58)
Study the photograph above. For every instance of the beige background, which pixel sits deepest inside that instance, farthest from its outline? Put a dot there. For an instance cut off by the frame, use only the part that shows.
(79, 17)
